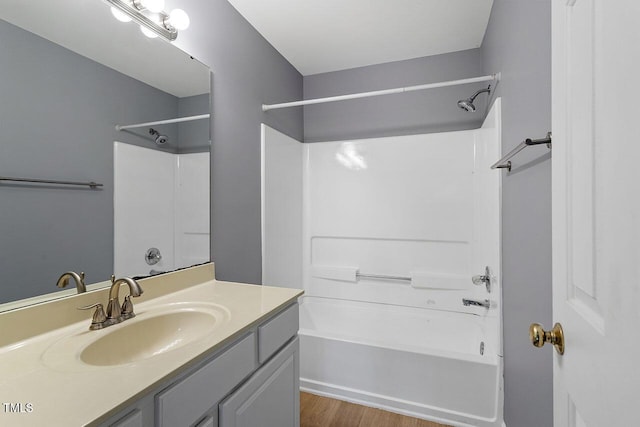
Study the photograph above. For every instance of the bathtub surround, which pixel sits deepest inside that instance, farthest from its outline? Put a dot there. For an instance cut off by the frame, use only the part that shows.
(403, 340)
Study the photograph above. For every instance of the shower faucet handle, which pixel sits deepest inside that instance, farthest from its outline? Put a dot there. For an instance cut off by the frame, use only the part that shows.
(152, 256)
(484, 279)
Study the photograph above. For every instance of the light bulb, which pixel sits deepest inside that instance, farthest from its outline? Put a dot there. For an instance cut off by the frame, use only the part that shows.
(119, 15)
(154, 6)
(179, 19)
(147, 32)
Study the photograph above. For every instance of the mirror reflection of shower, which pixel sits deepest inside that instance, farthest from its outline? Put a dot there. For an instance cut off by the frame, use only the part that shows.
(467, 104)
(159, 139)
(161, 209)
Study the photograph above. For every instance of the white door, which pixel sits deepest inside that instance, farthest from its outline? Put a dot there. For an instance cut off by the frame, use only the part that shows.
(596, 211)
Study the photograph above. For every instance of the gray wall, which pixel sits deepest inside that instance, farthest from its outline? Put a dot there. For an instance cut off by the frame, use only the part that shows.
(518, 43)
(401, 114)
(248, 72)
(194, 136)
(58, 114)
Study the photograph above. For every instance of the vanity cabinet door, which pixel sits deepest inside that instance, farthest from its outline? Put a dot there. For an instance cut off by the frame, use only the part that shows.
(208, 422)
(270, 398)
(133, 419)
(139, 414)
(186, 401)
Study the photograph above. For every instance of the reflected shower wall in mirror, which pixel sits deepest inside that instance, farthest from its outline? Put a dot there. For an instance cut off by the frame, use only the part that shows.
(58, 114)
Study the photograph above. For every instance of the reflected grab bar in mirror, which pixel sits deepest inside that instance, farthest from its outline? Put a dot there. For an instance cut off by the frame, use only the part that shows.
(91, 184)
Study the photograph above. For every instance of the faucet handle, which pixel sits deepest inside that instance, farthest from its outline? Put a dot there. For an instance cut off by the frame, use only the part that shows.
(99, 318)
(127, 308)
(114, 312)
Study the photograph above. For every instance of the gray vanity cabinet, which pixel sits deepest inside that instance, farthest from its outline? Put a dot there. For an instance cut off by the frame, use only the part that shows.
(252, 382)
(208, 422)
(183, 403)
(132, 419)
(270, 397)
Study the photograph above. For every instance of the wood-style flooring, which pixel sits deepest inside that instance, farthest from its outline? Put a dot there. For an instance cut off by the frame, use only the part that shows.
(317, 411)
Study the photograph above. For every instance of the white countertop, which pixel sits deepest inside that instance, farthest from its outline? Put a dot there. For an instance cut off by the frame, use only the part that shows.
(46, 372)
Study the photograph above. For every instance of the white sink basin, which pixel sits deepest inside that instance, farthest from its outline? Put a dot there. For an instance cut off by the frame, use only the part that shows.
(151, 333)
(148, 337)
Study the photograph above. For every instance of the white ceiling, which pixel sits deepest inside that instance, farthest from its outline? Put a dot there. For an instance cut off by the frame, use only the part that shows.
(88, 28)
(318, 36)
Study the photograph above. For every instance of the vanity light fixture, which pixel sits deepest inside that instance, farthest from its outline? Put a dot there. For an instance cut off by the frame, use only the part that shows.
(149, 15)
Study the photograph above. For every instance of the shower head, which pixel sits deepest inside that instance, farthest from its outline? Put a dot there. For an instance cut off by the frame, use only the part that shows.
(467, 104)
(160, 139)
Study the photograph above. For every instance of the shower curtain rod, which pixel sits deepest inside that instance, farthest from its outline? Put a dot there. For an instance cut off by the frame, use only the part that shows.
(164, 122)
(267, 107)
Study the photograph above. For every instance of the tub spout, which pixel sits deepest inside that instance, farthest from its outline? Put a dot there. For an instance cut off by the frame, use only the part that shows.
(468, 302)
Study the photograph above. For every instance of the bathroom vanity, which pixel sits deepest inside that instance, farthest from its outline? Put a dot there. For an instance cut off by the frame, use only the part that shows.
(252, 381)
(199, 352)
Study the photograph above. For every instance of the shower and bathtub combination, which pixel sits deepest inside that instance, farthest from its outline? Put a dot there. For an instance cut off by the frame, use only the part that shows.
(396, 242)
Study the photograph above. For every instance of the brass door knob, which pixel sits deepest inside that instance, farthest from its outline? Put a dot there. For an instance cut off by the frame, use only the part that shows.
(539, 336)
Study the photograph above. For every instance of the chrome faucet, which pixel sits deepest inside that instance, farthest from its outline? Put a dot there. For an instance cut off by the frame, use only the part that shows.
(468, 302)
(63, 280)
(116, 314)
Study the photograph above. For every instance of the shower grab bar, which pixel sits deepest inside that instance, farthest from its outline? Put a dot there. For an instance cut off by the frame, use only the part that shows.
(164, 122)
(383, 277)
(91, 184)
(504, 162)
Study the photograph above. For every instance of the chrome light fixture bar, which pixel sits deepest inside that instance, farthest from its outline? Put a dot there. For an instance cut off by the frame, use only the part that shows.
(134, 11)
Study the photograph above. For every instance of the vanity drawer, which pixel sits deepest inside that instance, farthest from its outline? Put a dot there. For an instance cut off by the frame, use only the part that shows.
(276, 332)
(186, 401)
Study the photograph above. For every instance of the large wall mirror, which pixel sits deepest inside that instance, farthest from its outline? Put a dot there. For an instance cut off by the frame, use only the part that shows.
(70, 74)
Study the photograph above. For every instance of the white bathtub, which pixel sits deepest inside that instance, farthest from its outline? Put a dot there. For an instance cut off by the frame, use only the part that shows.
(418, 362)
